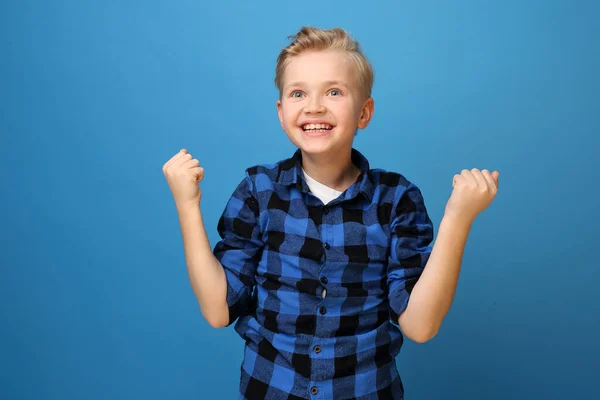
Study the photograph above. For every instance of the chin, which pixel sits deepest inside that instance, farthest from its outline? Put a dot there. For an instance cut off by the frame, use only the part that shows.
(314, 148)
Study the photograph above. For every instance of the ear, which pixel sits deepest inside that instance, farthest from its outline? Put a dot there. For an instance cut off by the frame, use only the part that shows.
(366, 113)
(280, 113)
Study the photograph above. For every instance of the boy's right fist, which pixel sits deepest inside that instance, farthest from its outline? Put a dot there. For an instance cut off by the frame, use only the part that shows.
(183, 174)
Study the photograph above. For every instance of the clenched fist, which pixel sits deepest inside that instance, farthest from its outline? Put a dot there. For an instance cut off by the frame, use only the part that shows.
(183, 173)
(473, 192)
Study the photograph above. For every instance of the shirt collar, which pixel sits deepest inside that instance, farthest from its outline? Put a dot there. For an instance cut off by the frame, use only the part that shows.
(290, 173)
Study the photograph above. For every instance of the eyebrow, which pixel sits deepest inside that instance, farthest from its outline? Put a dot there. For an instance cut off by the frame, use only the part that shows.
(327, 83)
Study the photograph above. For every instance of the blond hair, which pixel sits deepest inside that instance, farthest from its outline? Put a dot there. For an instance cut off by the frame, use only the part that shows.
(310, 38)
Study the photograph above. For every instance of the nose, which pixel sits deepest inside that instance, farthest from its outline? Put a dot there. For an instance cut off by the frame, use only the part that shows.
(314, 106)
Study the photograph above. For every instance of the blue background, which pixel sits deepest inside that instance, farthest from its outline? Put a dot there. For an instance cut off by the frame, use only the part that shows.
(95, 300)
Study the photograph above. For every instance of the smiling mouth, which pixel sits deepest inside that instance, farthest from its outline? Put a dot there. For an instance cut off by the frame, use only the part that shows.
(316, 128)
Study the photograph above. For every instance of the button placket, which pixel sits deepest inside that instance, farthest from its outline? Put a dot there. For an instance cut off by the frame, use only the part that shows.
(325, 234)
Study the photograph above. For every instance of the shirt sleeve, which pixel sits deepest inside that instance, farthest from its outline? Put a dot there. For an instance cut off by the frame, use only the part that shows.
(240, 248)
(410, 248)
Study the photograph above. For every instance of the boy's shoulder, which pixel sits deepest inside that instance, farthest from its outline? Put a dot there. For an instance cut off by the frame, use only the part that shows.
(281, 171)
(270, 169)
(389, 178)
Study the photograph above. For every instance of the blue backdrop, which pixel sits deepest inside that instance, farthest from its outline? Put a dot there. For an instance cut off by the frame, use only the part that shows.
(95, 301)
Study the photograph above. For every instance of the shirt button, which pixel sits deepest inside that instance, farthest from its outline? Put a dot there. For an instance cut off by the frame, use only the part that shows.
(324, 280)
(324, 293)
(317, 349)
(323, 310)
(327, 246)
(314, 390)
(325, 210)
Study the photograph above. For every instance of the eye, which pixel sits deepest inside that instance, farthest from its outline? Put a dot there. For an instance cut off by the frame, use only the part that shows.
(335, 92)
(296, 94)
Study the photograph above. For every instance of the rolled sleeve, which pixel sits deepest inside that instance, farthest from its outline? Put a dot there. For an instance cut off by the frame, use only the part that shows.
(239, 249)
(410, 247)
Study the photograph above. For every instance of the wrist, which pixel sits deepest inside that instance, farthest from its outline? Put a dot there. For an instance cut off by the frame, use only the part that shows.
(464, 221)
(187, 207)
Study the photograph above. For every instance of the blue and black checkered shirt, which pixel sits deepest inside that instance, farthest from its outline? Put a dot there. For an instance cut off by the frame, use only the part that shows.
(317, 289)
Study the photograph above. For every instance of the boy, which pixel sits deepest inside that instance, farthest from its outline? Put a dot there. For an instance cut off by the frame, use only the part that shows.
(324, 260)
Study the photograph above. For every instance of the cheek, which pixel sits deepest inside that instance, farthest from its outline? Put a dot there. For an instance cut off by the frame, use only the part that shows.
(344, 113)
(290, 114)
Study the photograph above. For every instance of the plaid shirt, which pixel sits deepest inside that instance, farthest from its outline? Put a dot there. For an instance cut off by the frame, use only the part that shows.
(317, 289)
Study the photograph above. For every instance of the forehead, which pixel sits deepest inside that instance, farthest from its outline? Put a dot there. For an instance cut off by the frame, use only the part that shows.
(314, 67)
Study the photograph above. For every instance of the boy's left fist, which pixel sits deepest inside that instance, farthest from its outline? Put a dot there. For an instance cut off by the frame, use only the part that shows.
(473, 192)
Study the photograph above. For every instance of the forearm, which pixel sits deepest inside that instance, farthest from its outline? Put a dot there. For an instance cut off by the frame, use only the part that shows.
(206, 273)
(433, 293)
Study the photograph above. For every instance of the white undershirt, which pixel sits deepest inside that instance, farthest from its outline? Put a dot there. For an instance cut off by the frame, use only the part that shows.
(325, 193)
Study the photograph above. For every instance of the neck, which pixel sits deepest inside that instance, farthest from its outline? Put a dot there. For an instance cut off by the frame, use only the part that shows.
(335, 171)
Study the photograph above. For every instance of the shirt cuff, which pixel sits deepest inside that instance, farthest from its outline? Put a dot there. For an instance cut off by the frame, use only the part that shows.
(239, 304)
(398, 299)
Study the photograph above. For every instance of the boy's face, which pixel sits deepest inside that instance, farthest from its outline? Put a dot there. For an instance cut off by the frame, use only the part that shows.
(322, 88)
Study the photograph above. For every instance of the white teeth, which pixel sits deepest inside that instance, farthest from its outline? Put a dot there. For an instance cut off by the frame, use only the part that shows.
(316, 126)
